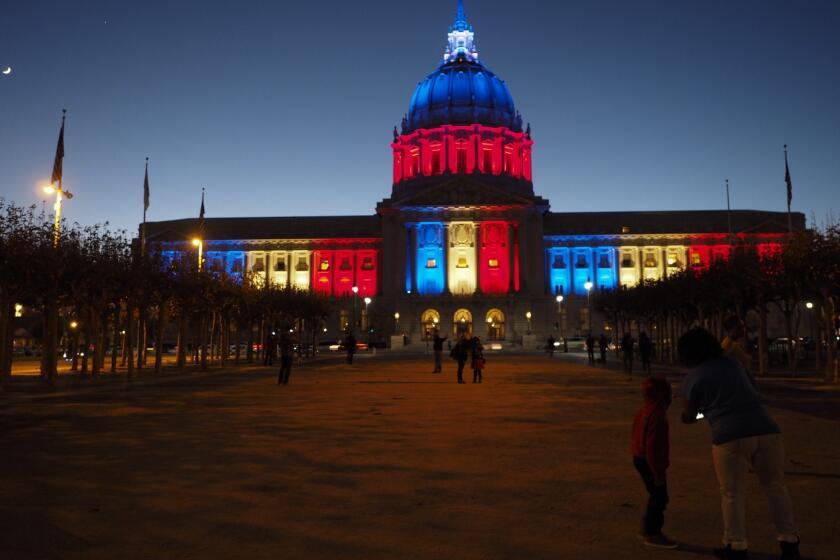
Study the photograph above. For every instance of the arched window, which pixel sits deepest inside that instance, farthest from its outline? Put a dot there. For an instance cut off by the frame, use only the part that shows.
(429, 321)
(495, 324)
(462, 322)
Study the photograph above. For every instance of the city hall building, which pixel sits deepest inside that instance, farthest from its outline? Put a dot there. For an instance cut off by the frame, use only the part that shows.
(463, 243)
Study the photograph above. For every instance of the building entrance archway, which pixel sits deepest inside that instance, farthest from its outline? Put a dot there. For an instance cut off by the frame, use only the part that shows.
(429, 321)
(462, 323)
(495, 324)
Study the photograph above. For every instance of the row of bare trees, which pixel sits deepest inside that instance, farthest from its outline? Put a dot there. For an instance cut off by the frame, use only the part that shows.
(120, 300)
(749, 285)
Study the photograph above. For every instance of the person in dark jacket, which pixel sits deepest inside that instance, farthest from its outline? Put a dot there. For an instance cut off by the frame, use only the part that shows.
(602, 347)
(286, 359)
(350, 346)
(477, 352)
(460, 352)
(645, 351)
(627, 352)
(650, 457)
(437, 346)
(590, 348)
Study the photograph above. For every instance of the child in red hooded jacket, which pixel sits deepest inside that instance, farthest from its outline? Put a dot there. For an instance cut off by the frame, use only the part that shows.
(650, 457)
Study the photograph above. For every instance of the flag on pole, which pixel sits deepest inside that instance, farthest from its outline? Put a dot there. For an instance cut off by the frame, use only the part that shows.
(201, 217)
(59, 154)
(146, 193)
(787, 180)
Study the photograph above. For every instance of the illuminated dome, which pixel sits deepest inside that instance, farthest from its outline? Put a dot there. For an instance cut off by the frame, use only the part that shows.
(461, 91)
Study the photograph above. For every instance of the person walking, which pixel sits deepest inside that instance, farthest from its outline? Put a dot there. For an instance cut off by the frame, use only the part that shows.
(287, 349)
(477, 351)
(437, 346)
(460, 352)
(590, 348)
(627, 352)
(744, 438)
(270, 349)
(645, 351)
(350, 346)
(602, 347)
(549, 346)
(650, 449)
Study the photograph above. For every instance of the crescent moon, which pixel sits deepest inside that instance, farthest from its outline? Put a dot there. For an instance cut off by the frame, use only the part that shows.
(7, 70)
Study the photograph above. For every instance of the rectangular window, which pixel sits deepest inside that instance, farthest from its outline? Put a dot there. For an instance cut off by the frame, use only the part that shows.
(259, 265)
(493, 263)
(461, 157)
(695, 259)
(345, 265)
(650, 260)
(367, 263)
(488, 160)
(558, 262)
(626, 260)
(462, 262)
(431, 263)
(436, 167)
(324, 265)
(280, 265)
(301, 265)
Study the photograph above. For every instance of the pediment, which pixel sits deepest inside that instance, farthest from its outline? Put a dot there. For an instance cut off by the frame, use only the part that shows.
(463, 191)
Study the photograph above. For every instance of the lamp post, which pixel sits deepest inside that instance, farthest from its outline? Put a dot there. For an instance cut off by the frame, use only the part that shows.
(396, 321)
(588, 286)
(367, 319)
(60, 194)
(355, 290)
(528, 316)
(810, 306)
(559, 300)
(74, 328)
(200, 244)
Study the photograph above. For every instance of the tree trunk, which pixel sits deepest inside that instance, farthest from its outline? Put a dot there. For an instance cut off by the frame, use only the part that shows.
(7, 337)
(161, 328)
(238, 339)
(181, 360)
(141, 338)
(249, 351)
(762, 339)
(101, 337)
(49, 358)
(830, 314)
(203, 336)
(129, 339)
(115, 338)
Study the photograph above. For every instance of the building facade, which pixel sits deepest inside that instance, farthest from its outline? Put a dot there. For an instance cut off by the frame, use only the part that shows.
(463, 243)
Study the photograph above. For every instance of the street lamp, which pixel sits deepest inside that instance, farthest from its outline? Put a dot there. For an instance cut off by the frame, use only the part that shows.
(588, 287)
(367, 301)
(560, 321)
(355, 290)
(396, 321)
(74, 348)
(60, 194)
(200, 244)
(528, 316)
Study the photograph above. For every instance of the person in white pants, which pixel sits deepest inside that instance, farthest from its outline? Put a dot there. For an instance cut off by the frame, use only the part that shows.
(744, 436)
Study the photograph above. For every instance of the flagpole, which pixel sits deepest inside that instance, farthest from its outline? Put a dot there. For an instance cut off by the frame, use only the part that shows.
(789, 193)
(728, 212)
(145, 207)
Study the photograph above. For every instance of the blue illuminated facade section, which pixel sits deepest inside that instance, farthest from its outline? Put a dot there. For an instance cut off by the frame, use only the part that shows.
(430, 265)
(605, 268)
(582, 267)
(558, 270)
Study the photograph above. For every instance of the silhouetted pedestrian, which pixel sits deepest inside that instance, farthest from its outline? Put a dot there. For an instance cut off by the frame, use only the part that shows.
(590, 348)
(645, 351)
(459, 353)
(287, 349)
(350, 346)
(477, 351)
(602, 347)
(270, 349)
(627, 352)
(549, 346)
(437, 346)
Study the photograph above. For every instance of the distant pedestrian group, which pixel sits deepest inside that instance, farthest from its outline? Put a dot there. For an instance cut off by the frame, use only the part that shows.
(469, 349)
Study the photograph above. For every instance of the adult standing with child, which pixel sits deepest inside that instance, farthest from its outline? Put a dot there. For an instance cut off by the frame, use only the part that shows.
(744, 436)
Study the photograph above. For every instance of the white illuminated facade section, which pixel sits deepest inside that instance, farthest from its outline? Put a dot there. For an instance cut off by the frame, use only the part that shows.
(462, 273)
(300, 267)
(675, 259)
(628, 266)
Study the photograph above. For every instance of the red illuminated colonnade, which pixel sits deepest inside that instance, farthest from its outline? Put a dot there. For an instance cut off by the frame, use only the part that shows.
(335, 272)
(462, 149)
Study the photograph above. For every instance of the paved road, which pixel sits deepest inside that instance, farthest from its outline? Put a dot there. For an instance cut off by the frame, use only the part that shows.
(378, 460)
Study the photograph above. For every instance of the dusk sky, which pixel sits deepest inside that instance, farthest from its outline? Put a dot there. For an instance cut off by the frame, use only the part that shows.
(286, 108)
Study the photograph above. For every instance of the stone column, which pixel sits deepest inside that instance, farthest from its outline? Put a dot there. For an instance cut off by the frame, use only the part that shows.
(445, 258)
(477, 241)
(511, 256)
(413, 257)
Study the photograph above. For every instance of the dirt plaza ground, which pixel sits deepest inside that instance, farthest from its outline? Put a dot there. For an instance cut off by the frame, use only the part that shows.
(382, 459)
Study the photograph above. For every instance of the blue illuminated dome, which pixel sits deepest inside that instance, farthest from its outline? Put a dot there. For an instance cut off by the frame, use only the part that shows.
(461, 91)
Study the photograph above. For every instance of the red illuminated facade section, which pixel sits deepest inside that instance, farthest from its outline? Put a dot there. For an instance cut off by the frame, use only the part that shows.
(704, 249)
(494, 273)
(462, 149)
(335, 272)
